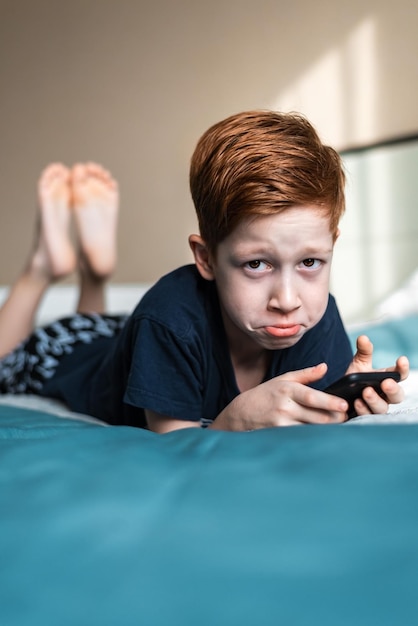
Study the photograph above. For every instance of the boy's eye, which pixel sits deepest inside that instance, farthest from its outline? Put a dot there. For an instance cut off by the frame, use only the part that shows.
(256, 265)
(311, 263)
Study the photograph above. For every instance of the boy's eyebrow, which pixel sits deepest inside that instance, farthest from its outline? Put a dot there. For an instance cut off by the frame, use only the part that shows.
(250, 249)
(317, 250)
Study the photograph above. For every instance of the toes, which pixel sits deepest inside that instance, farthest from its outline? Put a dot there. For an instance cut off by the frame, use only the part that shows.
(53, 180)
(95, 170)
(91, 172)
(78, 172)
(53, 172)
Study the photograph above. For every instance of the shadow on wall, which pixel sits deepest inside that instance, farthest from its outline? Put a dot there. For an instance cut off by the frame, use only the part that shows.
(338, 91)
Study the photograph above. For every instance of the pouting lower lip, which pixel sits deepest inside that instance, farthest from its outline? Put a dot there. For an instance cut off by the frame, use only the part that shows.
(282, 331)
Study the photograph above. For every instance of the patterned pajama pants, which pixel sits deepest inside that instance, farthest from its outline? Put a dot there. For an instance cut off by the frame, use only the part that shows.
(35, 360)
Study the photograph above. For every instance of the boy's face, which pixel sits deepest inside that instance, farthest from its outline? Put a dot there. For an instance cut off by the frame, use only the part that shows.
(272, 275)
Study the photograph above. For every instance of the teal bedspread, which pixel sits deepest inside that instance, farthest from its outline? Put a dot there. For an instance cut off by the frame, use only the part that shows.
(117, 526)
(391, 338)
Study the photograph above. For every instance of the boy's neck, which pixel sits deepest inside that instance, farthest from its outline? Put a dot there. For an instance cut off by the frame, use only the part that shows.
(250, 361)
(250, 372)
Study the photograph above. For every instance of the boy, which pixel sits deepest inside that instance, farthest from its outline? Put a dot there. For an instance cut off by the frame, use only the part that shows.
(248, 336)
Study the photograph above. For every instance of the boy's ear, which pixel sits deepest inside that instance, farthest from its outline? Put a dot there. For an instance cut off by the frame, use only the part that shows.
(202, 257)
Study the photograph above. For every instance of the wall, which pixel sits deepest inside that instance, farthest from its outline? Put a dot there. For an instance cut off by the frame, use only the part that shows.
(133, 84)
(377, 251)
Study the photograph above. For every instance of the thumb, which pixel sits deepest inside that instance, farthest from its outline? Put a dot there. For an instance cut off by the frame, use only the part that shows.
(306, 375)
(364, 355)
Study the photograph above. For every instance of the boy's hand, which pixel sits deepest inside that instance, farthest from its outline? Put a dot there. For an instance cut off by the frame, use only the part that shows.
(283, 401)
(371, 402)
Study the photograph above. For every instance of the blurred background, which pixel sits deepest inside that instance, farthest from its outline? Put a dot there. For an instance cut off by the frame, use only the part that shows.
(133, 84)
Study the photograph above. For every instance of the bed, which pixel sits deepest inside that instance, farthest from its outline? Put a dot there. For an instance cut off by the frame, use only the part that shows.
(316, 525)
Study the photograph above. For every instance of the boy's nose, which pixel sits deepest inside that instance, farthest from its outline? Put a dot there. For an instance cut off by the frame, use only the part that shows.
(284, 297)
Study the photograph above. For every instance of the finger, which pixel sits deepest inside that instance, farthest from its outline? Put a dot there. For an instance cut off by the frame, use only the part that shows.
(361, 408)
(323, 417)
(371, 402)
(362, 360)
(394, 393)
(402, 366)
(306, 375)
(298, 403)
(364, 352)
(299, 414)
(316, 404)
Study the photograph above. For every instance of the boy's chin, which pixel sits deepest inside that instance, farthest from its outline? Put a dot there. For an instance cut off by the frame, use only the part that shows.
(281, 343)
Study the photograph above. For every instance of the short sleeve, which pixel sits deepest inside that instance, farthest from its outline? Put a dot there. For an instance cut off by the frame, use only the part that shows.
(166, 372)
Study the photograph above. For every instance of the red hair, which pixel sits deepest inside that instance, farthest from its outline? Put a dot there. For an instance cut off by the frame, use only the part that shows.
(260, 163)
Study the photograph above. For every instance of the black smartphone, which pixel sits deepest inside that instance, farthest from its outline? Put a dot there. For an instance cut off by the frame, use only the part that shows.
(351, 386)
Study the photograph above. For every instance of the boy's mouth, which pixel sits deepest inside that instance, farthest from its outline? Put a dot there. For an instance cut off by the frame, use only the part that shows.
(283, 331)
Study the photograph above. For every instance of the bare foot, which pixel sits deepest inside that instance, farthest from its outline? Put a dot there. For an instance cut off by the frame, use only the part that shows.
(54, 255)
(96, 205)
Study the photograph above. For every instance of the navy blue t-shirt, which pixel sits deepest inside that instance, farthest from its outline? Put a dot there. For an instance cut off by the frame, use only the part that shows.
(172, 357)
